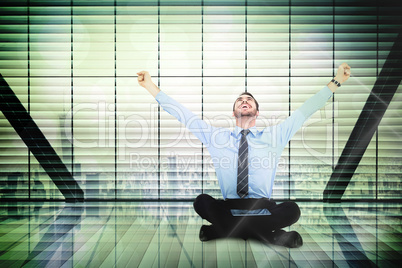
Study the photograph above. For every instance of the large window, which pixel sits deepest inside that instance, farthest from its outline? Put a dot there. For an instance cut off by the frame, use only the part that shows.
(73, 65)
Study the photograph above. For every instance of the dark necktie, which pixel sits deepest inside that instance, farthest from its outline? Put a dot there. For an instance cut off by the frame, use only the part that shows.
(242, 165)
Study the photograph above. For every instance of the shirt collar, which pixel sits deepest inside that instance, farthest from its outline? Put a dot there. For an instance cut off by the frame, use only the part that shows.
(238, 129)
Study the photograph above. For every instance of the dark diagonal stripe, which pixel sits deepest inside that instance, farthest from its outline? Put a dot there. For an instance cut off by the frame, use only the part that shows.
(37, 143)
(370, 117)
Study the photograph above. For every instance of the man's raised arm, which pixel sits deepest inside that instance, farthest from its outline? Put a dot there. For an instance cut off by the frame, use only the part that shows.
(198, 127)
(144, 79)
(291, 125)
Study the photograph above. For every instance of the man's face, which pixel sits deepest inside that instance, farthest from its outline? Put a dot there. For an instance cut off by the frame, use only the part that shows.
(245, 106)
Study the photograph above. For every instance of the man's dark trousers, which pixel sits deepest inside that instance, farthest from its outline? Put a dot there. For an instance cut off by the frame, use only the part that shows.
(218, 212)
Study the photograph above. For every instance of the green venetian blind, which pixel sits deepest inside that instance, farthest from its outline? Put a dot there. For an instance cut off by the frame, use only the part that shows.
(73, 65)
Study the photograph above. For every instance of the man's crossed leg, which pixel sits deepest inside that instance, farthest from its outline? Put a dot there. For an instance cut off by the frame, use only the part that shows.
(266, 228)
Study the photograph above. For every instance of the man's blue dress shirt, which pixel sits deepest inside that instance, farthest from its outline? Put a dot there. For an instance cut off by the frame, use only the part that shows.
(265, 146)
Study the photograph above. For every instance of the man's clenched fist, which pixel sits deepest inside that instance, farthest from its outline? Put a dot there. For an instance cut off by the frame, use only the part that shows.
(144, 79)
(343, 73)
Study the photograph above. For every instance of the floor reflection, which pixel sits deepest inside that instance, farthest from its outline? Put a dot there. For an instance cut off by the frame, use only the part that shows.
(153, 234)
(347, 239)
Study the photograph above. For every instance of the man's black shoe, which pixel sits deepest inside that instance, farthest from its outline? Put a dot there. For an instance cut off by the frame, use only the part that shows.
(290, 239)
(207, 232)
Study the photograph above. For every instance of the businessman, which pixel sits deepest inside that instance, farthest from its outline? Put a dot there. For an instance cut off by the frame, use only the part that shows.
(246, 210)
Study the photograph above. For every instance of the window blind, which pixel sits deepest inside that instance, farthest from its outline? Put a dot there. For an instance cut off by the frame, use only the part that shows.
(73, 65)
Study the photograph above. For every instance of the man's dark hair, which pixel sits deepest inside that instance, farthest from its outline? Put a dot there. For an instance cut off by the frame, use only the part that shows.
(248, 94)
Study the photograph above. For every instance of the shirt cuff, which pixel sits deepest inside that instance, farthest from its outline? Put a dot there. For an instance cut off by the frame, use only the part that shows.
(160, 96)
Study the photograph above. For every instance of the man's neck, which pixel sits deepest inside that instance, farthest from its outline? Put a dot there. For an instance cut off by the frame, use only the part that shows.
(245, 122)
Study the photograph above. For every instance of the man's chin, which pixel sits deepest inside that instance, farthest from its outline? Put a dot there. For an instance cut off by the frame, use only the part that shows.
(245, 114)
(248, 114)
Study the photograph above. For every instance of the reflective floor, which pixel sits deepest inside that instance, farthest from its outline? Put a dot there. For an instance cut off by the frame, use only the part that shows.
(152, 234)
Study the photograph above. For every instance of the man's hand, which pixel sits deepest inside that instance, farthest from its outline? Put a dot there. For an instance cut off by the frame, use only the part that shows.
(144, 79)
(343, 73)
